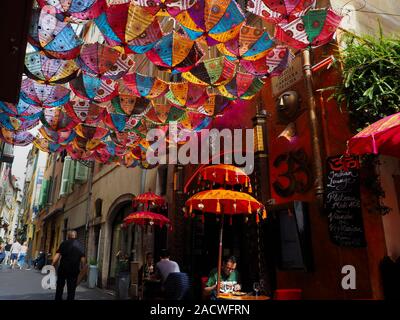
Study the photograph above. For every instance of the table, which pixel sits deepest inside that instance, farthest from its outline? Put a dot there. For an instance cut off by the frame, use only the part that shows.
(247, 297)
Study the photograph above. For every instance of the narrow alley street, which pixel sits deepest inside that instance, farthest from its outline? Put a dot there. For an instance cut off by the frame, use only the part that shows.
(26, 285)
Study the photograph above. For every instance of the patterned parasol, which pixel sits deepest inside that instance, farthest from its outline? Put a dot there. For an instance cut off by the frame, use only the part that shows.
(211, 72)
(244, 86)
(215, 21)
(55, 38)
(103, 61)
(147, 218)
(21, 110)
(90, 132)
(92, 88)
(225, 174)
(43, 69)
(22, 138)
(161, 114)
(83, 111)
(165, 7)
(186, 94)
(59, 137)
(47, 146)
(274, 11)
(145, 86)
(315, 28)
(129, 26)
(175, 53)
(57, 120)
(78, 9)
(148, 198)
(43, 95)
(17, 123)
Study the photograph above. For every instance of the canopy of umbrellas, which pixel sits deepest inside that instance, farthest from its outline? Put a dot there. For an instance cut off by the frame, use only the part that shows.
(90, 98)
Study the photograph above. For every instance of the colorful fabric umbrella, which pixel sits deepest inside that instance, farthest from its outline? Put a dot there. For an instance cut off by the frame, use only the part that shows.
(225, 174)
(128, 139)
(55, 38)
(244, 86)
(43, 95)
(161, 114)
(47, 146)
(272, 65)
(78, 9)
(129, 26)
(21, 110)
(59, 137)
(90, 132)
(214, 105)
(128, 105)
(175, 53)
(43, 69)
(381, 137)
(279, 11)
(315, 28)
(148, 198)
(214, 21)
(147, 218)
(144, 86)
(22, 138)
(171, 7)
(83, 111)
(186, 94)
(92, 88)
(250, 44)
(17, 123)
(57, 120)
(211, 72)
(83, 146)
(103, 61)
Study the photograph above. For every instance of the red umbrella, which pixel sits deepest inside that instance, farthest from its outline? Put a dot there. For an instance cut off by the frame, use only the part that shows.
(381, 137)
(148, 198)
(147, 218)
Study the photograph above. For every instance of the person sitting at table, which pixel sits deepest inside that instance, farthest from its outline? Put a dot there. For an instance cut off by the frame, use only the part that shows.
(230, 278)
(147, 269)
(165, 266)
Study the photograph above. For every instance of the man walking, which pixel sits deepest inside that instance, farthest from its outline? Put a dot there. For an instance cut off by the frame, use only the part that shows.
(15, 249)
(7, 251)
(72, 266)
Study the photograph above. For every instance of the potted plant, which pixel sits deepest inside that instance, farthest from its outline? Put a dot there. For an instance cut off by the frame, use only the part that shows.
(122, 277)
(93, 273)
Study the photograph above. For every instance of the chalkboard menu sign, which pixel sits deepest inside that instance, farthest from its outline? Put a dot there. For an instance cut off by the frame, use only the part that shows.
(343, 203)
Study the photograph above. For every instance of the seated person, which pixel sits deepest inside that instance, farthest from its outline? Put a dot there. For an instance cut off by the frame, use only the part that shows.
(229, 278)
(165, 266)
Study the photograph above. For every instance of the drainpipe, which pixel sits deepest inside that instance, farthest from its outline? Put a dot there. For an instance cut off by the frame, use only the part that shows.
(88, 202)
(315, 128)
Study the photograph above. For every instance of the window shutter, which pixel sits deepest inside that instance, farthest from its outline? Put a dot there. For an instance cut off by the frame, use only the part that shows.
(71, 175)
(43, 193)
(81, 172)
(64, 189)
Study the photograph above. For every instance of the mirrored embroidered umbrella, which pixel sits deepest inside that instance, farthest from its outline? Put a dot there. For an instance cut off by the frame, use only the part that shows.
(244, 86)
(129, 26)
(22, 138)
(274, 11)
(57, 120)
(92, 88)
(103, 61)
(224, 202)
(145, 86)
(211, 72)
(165, 7)
(315, 28)
(83, 111)
(186, 94)
(175, 53)
(77, 9)
(46, 70)
(212, 20)
(43, 95)
(272, 65)
(250, 44)
(55, 38)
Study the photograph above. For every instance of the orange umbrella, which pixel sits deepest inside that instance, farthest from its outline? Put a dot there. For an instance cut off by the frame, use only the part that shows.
(225, 174)
(223, 202)
(148, 198)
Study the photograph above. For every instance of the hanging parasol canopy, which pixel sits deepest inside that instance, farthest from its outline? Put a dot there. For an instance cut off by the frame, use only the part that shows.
(17, 123)
(272, 65)
(59, 137)
(144, 86)
(90, 132)
(148, 198)
(57, 119)
(225, 174)
(83, 111)
(130, 27)
(313, 29)
(41, 68)
(164, 7)
(21, 110)
(211, 72)
(55, 38)
(244, 86)
(175, 53)
(250, 44)
(211, 20)
(186, 94)
(103, 61)
(21, 138)
(279, 11)
(43, 95)
(46, 146)
(77, 9)
(214, 106)
(91, 88)
(161, 114)
(381, 137)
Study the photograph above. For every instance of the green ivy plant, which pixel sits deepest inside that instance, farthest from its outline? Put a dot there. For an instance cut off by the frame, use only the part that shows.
(371, 83)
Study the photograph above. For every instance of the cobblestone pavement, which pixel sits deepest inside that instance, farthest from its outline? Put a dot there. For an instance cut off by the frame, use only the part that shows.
(26, 285)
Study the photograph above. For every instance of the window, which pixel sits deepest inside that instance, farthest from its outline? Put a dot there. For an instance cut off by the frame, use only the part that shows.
(98, 207)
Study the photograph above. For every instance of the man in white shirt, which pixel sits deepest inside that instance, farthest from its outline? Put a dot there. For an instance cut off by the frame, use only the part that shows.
(15, 249)
(165, 266)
